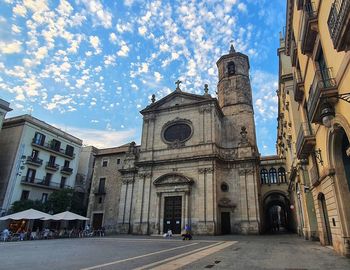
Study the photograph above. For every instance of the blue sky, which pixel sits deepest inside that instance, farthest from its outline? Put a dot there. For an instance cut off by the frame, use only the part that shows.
(89, 66)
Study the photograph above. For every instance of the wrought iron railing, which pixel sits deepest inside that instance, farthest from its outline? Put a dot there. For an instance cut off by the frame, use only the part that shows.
(307, 34)
(66, 169)
(52, 166)
(339, 11)
(51, 147)
(323, 79)
(35, 160)
(42, 183)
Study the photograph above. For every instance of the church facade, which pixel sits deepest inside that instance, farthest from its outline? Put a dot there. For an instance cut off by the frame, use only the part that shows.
(197, 164)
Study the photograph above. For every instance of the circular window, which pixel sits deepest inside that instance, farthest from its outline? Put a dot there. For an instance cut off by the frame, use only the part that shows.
(224, 187)
(177, 132)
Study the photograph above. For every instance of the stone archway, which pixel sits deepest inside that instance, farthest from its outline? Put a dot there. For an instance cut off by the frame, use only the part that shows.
(276, 211)
(173, 203)
(339, 160)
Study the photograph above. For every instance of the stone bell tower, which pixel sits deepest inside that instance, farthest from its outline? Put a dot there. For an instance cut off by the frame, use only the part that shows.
(235, 97)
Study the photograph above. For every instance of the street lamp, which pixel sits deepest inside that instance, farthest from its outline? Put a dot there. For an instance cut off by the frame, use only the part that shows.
(327, 115)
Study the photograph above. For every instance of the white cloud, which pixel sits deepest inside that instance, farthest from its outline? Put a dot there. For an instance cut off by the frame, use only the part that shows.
(142, 30)
(113, 38)
(242, 7)
(12, 47)
(128, 2)
(124, 27)
(19, 10)
(16, 29)
(124, 50)
(99, 14)
(64, 8)
(95, 43)
(100, 138)
(158, 76)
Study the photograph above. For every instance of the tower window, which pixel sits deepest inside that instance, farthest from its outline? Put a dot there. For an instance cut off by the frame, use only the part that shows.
(231, 68)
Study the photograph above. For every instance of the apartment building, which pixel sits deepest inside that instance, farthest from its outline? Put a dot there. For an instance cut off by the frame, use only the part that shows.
(4, 108)
(314, 117)
(36, 159)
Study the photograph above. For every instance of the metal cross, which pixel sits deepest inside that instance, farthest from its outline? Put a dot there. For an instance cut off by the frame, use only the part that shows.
(178, 84)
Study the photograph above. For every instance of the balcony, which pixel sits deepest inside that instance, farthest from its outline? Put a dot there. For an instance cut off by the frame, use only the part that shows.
(314, 176)
(34, 161)
(298, 87)
(52, 166)
(339, 25)
(42, 183)
(66, 170)
(293, 53)
(100, 191)
(50, 147)
(323, 87)
(300, 4)
(309, 28)
(306, 141)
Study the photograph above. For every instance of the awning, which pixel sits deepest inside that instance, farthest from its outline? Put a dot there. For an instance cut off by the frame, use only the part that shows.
(28, 214)
(68, 216)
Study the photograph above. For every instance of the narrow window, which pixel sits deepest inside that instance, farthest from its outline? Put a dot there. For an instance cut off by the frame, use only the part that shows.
(264, 176)
(282, 175)
(273, 176)
(24, 195)
(231, 68)
(118, 161)
(30, 176)
(69, 150)
(39, 138)
(104, 163)
(63, 182)
(101, 185)
(44, 197)
(47, 179)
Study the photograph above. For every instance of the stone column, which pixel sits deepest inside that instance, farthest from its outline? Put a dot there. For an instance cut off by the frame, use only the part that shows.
(158, 209)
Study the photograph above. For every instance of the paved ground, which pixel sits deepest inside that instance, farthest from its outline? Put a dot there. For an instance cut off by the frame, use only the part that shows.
(130, 252)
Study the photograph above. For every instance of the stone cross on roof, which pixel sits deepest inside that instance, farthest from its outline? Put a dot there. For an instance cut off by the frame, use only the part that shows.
(178, 85)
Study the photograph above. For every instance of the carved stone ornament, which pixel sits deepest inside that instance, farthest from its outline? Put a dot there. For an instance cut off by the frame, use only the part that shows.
(245, 171)
(205, 170)
(244, 140)
(227, 203)
(229, 153)
(171, 179)
(127, 180)
(205, 108)
(144, 174)
(149, 117)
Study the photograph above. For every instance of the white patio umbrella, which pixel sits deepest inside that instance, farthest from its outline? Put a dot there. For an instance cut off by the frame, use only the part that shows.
(28, 214)
(68, 216)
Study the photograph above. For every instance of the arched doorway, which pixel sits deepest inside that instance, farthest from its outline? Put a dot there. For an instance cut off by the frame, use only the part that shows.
(327, 235)
(276, 213)
(339, 150)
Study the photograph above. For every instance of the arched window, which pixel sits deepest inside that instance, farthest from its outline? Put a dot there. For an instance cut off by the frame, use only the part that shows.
(231, 68)
(273, 176)
(264, 176)
(282, 175)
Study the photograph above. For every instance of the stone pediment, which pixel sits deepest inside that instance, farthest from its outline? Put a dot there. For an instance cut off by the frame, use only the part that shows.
(177, 98)
(172, 179)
